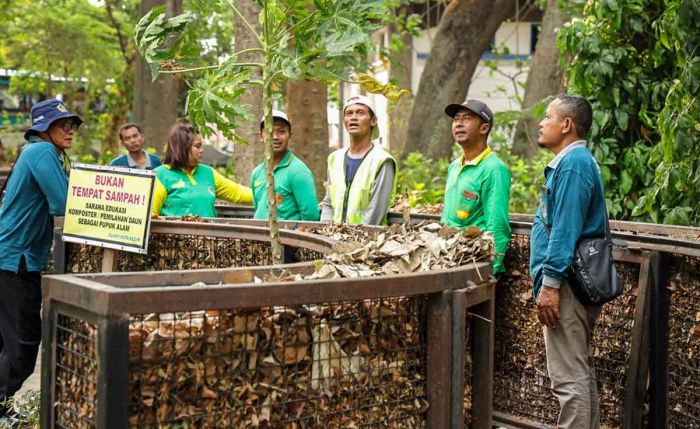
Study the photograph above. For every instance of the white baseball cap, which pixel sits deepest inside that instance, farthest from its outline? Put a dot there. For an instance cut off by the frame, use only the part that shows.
(278, 114)
(365, 101)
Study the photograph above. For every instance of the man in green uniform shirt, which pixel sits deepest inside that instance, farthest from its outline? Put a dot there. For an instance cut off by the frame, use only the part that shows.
(478, 182)
(294, 182)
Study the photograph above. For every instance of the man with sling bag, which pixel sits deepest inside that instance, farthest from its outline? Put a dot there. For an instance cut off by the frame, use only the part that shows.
(572, 210)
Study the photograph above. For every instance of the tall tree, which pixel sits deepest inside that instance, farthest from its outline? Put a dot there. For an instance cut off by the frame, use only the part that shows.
(247, 156)
(399, 112)
(544, 79)
(156, 102)
(121, 17)
(307, 107)
(464, 32)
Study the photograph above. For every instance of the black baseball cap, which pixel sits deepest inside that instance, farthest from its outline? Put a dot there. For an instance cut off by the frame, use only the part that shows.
(478, 107)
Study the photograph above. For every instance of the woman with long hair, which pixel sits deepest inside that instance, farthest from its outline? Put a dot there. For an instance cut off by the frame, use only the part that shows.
(186, 187)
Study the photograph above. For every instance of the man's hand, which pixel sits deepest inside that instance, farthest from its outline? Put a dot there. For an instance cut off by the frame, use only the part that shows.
(548, 307)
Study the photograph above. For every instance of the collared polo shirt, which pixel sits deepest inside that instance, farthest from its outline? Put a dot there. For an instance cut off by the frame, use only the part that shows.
(36, 192)
(152, 161)
(294, 190)
(181, 193)
(477, 193)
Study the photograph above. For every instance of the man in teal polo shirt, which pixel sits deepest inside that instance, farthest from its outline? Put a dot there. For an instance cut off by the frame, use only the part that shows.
(294, 183)
(136, 157)
(35, 193)
(477, 192)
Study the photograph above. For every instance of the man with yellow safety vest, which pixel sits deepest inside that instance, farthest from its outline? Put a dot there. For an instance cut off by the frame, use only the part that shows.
(478, 182)
(362, 178)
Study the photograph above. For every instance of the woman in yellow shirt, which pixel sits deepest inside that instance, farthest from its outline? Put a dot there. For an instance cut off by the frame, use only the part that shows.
(186, 187)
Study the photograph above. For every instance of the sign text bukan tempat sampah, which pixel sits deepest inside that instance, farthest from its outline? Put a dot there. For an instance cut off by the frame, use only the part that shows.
(109, 206)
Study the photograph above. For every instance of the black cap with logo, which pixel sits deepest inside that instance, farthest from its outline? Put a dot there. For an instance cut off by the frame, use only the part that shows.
(478, 107)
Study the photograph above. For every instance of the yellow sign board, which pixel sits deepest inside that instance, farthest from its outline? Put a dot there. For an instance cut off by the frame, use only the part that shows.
(109, 207)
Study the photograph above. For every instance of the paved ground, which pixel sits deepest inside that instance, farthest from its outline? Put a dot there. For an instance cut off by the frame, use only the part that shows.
(33, 382)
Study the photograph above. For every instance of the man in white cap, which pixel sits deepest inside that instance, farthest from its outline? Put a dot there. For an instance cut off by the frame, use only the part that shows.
(295, 192)
(362, 178)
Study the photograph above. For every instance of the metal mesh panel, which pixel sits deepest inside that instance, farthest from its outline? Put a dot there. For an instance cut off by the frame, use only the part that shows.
(468, 374)
(521, 384)
(684, 344)
(76, 374)
(339, 365)
(175, 252)
(306, 255)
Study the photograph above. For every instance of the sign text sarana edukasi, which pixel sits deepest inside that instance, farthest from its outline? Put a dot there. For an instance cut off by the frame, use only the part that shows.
(109, 206)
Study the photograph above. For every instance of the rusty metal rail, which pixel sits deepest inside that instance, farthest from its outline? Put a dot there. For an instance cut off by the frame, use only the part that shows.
(633, 235)
(172, 229)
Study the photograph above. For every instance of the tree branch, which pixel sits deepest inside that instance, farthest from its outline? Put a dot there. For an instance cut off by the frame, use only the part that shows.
(120, 37)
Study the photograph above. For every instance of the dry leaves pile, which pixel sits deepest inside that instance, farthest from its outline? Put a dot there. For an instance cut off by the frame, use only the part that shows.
(175, 252)
(684, 343)
(402, 206)
(399, 250)
(76, 374)
(335, 366)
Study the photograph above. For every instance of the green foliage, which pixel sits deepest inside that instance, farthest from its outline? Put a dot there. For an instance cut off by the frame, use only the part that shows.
(638, 62)
(526, 179)
(72, 41)
(319, 40)
(28, 408)
(422, 180)
(80, 48)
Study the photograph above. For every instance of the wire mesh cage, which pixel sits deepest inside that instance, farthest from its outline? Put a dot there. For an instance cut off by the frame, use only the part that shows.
(337, 365)
(468, 375)
(684, 343)
(76, 374)
(175, 252)
(521, 385)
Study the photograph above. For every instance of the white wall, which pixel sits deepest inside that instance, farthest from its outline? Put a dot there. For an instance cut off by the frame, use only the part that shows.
(485, 84)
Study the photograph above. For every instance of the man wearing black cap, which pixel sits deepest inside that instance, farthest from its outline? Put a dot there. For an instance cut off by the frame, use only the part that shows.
(478, 182)
(35, 192)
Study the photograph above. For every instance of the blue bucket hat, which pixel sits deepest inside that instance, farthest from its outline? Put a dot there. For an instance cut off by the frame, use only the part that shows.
(45, 113)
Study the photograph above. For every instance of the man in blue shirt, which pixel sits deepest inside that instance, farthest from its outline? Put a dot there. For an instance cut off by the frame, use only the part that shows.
(135, 157)
(572, 207)
(35, 192)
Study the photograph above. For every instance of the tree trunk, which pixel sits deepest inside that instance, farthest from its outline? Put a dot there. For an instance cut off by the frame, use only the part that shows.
(545, 77)
(399, 112)
(120, 105)
(247, 156)
(464, 32)
(155, 103)
(308, 112)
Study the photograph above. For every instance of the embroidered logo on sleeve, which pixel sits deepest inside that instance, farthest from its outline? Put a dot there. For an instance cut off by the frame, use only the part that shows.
(469, 195)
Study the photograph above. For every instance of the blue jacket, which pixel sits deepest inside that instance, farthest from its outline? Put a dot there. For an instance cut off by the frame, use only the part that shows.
(125, 161)
(36, 191)
(573, 207)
